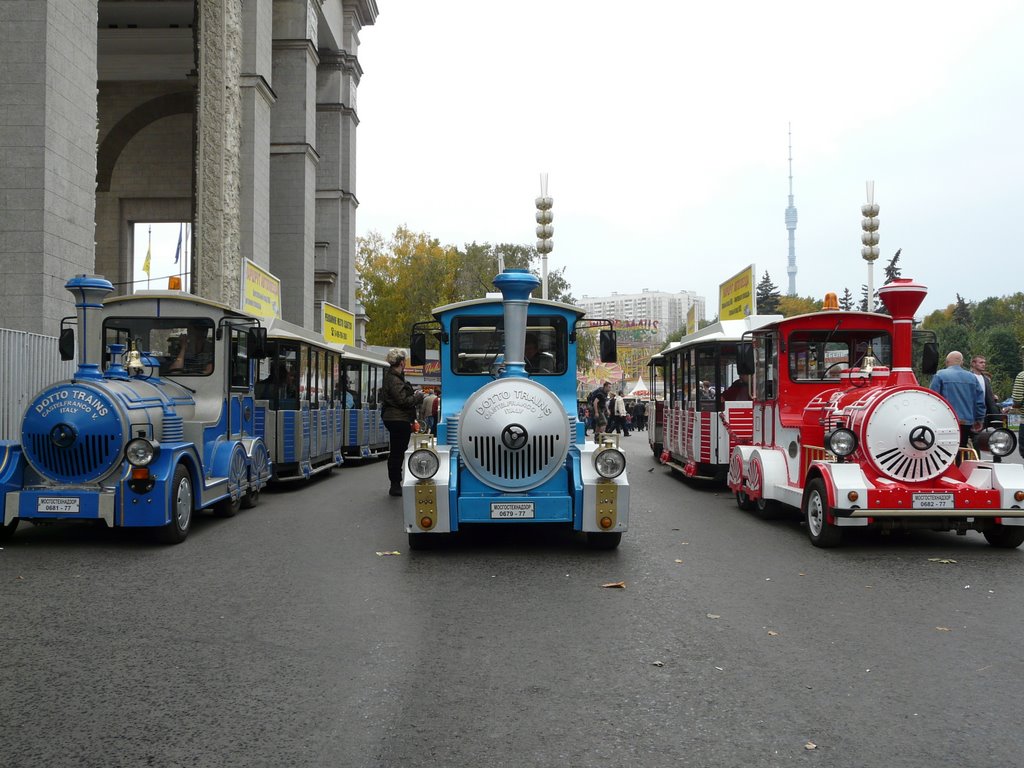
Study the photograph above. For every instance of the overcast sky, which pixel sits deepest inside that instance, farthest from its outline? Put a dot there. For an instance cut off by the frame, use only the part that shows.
(663, 128)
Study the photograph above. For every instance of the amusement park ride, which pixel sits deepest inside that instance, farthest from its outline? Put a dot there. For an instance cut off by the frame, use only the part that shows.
(835, 424)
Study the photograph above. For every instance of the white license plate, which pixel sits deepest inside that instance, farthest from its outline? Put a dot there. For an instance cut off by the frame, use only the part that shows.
(511, 510)
(66, 505)
(933, 501)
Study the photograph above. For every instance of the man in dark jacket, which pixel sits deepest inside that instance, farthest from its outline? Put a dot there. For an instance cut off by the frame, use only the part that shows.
(398, 411)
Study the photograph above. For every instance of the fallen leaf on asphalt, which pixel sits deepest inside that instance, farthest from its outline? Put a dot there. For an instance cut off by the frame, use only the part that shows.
(810, 745)
(720, 669)
(678, 560)
(657, 664)
(714, 616)
(382, 554)
(943, 629)
(651, 469)
(940, 560)
(803, 574)
(615, 585)
(772, 633)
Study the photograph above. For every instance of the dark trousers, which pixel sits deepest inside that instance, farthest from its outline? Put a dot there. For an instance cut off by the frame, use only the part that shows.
(965, 435)
(401, 432)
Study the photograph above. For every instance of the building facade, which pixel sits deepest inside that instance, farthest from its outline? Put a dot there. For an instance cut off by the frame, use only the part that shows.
(238, 116)
(660, 312)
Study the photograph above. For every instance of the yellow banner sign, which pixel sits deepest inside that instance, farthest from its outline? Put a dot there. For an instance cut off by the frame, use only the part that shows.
(736, 296)
(261, 291)
(691, 319)
(339, 326)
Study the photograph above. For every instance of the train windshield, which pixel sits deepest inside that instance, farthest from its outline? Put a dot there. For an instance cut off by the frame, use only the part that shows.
(479, 343)
(183, 346)
(821, 355)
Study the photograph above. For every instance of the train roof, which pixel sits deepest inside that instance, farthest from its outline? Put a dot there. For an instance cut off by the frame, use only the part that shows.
(495, 299)
(282, 329)
(826, 317)
(724, 330)
(167, 295)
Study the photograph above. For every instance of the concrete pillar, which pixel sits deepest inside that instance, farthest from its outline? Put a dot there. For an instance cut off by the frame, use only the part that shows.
(217, 256)
(257, 96)
(293, 158)
(47, 157)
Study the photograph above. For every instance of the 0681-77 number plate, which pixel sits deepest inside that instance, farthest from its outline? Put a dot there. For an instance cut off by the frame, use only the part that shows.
(511, 510)
(58, 505)
(933, 501)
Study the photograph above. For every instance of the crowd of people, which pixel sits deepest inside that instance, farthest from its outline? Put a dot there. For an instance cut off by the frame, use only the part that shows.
(606, 411)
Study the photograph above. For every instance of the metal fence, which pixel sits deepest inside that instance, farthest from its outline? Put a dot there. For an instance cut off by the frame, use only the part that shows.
(28, 362)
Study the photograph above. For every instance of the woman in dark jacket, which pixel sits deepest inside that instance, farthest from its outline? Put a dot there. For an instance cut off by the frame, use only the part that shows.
(398, 410)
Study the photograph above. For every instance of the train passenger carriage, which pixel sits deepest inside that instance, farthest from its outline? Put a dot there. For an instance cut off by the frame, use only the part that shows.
(843, 432)
(707, 408)
(509, 448)
(316, 402)
(157, 422)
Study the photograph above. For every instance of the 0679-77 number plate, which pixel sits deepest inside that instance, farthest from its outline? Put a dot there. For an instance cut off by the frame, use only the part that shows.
(511, 510)
(58, 505)
(933, 501)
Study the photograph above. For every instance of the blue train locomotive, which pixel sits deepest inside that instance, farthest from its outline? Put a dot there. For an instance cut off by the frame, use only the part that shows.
(157, 423)
(509, 449)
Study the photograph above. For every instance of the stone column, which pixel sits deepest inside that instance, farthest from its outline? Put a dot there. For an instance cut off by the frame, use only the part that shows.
(47, 157)
(216, 260)
(336, 202)
(257, 98)
(293, 159)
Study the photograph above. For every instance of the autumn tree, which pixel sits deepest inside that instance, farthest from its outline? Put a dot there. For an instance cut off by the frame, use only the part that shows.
(893, 271)
(768, 296)
(962, 312)
(790, 306)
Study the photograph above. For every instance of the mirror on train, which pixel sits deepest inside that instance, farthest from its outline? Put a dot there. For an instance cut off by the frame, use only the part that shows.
(418, 349)
(66, 344)
(930, 358)
(609, 350)
(257, 342)
(745, 359)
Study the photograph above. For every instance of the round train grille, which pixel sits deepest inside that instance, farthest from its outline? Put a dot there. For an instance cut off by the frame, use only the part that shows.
(72, 434)
(513, 434)
(912, 435)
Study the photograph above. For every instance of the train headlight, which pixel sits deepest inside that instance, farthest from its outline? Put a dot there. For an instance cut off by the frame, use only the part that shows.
(610, 462)
(423, 463)
(996, 440)
(842, 442)
(140, 452)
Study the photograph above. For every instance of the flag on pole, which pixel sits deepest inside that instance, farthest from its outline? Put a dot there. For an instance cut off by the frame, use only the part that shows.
(145, 264)
(177, 252)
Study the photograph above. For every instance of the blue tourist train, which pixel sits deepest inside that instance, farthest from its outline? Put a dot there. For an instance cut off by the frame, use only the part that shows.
(509, 449)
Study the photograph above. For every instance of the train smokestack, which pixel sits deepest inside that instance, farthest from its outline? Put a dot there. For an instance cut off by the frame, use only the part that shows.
(515, 285)
(89, 292)
(902, 297)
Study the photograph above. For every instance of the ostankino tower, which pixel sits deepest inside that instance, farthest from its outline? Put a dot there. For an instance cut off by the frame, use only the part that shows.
(791, 222)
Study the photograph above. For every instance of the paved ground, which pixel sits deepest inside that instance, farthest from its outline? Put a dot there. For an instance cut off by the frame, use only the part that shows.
(281, 638)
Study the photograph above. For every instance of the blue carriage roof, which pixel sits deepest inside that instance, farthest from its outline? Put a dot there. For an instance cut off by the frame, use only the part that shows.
(495, 300)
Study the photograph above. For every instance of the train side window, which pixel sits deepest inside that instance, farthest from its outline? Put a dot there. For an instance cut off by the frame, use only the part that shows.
(764, 367)
(706, 387)
(238, 361)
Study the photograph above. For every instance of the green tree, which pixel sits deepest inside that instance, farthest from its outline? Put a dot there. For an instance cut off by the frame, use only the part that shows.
(1001, 349)
(768, 296)
(846, 300)
(962, 312)
(892, 270)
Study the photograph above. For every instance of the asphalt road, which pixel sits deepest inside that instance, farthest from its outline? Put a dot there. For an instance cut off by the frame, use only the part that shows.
(281, 638)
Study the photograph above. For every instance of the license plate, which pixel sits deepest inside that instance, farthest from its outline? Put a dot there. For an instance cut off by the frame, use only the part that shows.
(933, 501)
(65, 505)
(511, 510)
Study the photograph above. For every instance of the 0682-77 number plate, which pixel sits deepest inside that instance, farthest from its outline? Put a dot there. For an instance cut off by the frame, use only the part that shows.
(511, 510)
(58, 505)
(933, 501)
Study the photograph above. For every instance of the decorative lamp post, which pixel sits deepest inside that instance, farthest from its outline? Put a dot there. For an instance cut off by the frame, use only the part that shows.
(545, 231)
(869, 251)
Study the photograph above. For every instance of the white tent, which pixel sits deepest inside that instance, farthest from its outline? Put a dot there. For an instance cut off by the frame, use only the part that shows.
(639, 389)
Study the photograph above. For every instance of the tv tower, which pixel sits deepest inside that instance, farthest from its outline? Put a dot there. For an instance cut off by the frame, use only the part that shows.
(791, 222)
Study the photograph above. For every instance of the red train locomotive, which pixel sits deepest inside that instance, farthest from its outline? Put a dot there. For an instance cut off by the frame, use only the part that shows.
(842, 431)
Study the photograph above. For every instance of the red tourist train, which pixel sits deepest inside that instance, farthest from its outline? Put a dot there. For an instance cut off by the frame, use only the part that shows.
(841, 430)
